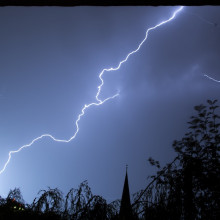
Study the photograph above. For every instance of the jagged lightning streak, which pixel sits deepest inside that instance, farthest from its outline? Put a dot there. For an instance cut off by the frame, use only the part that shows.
(53, 138)
(99, 101)
(212, 78)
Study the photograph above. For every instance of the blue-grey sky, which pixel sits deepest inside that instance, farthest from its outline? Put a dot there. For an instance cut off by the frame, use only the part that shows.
(50, 59)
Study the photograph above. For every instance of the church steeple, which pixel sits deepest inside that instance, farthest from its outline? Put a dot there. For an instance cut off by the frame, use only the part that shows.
(125, 209)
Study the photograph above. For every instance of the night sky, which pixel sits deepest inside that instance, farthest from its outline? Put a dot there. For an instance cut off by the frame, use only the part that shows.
(50, 60)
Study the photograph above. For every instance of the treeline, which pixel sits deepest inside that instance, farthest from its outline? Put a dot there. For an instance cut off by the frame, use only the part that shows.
(187, 188)
(51, 204)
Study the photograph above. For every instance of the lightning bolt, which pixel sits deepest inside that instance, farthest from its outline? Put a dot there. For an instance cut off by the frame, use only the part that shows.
(99, 101)
(212, 78)
(203, 19)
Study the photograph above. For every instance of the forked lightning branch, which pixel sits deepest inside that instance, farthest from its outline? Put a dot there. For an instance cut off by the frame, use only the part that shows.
(98, 101)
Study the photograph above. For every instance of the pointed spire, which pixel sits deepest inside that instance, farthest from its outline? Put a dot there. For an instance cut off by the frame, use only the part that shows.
(125, 209)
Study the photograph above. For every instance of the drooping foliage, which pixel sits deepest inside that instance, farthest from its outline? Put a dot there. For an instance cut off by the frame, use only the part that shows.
(189, 186)
(78, 204)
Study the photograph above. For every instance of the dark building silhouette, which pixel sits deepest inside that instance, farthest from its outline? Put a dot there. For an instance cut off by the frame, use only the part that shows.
(125, 209)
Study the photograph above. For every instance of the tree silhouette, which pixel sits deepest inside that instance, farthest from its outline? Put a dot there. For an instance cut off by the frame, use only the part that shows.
(15, 194)
(82, 204)
(49, 201)
(189, 186)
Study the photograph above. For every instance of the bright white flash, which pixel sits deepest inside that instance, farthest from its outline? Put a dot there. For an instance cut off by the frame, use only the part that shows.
(212, 78)
(99, 101)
